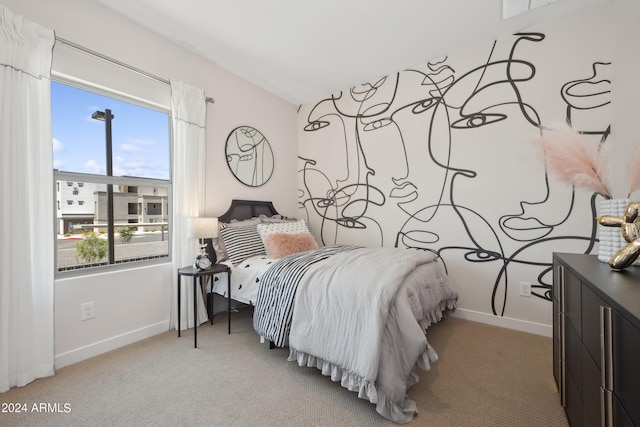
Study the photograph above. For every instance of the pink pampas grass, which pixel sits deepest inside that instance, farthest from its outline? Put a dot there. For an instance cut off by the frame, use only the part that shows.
(634, 171)
(573, 161)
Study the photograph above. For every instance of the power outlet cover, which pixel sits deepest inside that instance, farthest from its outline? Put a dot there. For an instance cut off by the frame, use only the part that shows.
(525, 289)
(87, 310)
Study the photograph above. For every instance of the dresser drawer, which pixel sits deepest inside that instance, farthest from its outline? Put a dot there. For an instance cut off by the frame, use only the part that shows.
(626, 366)
(591, 390)
(573, 301)
(591, 304)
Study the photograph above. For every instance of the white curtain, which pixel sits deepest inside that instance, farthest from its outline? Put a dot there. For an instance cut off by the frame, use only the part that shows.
(27, 215)
(188, 112)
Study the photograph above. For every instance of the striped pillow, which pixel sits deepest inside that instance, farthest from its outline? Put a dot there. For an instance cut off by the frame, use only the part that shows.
(242, 243)
(219, 243)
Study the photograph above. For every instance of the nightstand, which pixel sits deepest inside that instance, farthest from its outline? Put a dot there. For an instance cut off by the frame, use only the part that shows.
(191, 271)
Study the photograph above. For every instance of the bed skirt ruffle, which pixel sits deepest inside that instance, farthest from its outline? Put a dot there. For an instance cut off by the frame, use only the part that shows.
(398, 412)
(436, 315)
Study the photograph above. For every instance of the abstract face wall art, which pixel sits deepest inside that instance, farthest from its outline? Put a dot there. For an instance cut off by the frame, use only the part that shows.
(335, 175)
(442, 158)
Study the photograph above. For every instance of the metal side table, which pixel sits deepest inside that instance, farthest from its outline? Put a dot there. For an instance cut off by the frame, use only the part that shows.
(191, 271)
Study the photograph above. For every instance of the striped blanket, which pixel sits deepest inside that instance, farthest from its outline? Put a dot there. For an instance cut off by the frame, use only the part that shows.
(274, 306)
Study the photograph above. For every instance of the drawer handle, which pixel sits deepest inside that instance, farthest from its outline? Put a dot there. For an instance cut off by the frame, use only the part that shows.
(603, 359)
(563, 375)
(606, 366)
(603, 417)
(609, 349)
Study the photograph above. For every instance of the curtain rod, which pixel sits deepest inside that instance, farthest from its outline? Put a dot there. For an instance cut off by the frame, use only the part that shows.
(119, 63)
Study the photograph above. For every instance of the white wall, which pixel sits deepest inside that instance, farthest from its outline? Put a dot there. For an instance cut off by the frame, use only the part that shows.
(134, 303)
(130, 305)
(488, 212)
(626, 90)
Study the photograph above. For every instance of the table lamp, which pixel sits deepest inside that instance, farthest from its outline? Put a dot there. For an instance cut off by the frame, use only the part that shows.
(203, 229)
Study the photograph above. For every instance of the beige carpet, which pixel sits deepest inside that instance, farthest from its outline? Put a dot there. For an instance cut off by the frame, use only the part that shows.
(486, 376)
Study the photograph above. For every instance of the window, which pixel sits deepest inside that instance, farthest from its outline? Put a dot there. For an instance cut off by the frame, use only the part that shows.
(154, 209)
(138, 165)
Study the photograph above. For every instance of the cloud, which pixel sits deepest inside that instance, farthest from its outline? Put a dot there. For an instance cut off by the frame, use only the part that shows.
(117, 171)
(137, 144)
(142, 141)
(130, 148)
(57, 145)
(136, 164)
(92, 166)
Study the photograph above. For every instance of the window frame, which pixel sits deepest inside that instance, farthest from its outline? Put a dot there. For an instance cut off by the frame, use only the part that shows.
(65, 176)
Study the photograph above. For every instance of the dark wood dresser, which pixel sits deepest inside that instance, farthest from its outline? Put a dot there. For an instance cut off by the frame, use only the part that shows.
(596, 341)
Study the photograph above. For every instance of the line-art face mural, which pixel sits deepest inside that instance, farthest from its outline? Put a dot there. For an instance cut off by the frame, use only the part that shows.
(403, 161)
(249, 156)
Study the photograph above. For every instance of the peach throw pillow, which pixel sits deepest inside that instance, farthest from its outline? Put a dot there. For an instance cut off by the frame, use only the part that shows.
(279, 245)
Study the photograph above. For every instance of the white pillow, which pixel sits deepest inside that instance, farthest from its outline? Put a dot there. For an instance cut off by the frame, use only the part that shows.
(292, 227)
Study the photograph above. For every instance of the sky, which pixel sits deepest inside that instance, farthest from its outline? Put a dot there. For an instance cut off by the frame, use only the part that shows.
(140, 136)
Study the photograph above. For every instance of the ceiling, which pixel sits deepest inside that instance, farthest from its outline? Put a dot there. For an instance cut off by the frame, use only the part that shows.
(303, 51)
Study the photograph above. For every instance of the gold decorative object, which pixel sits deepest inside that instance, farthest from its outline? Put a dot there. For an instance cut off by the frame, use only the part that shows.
(630, 228)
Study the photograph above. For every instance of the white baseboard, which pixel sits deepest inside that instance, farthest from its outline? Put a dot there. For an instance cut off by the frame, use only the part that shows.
(77, 355)
(504, 322)
(83, 353)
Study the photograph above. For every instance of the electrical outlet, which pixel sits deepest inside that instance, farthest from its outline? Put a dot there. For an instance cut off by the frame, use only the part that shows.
(87, 310)
(525, 289)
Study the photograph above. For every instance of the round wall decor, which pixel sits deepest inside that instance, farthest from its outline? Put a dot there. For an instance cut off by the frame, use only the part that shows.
(249, 156)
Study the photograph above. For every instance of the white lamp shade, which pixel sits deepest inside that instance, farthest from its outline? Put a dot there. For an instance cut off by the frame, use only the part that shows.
(202, 228)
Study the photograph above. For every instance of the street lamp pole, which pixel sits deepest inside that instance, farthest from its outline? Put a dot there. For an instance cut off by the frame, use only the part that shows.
(107, 117)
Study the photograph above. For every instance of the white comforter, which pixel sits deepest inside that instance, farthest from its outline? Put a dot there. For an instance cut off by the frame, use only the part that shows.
(244, 279)
(364, 326)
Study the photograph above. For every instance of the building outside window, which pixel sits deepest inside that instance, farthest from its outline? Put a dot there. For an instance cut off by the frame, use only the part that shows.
(96, 212)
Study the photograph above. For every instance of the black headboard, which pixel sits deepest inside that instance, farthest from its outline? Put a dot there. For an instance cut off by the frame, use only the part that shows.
(245, 209)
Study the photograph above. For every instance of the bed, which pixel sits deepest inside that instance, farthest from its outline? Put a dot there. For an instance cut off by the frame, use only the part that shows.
(346, 310)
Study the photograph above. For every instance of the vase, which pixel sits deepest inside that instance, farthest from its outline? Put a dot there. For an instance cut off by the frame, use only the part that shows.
(611, 240)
